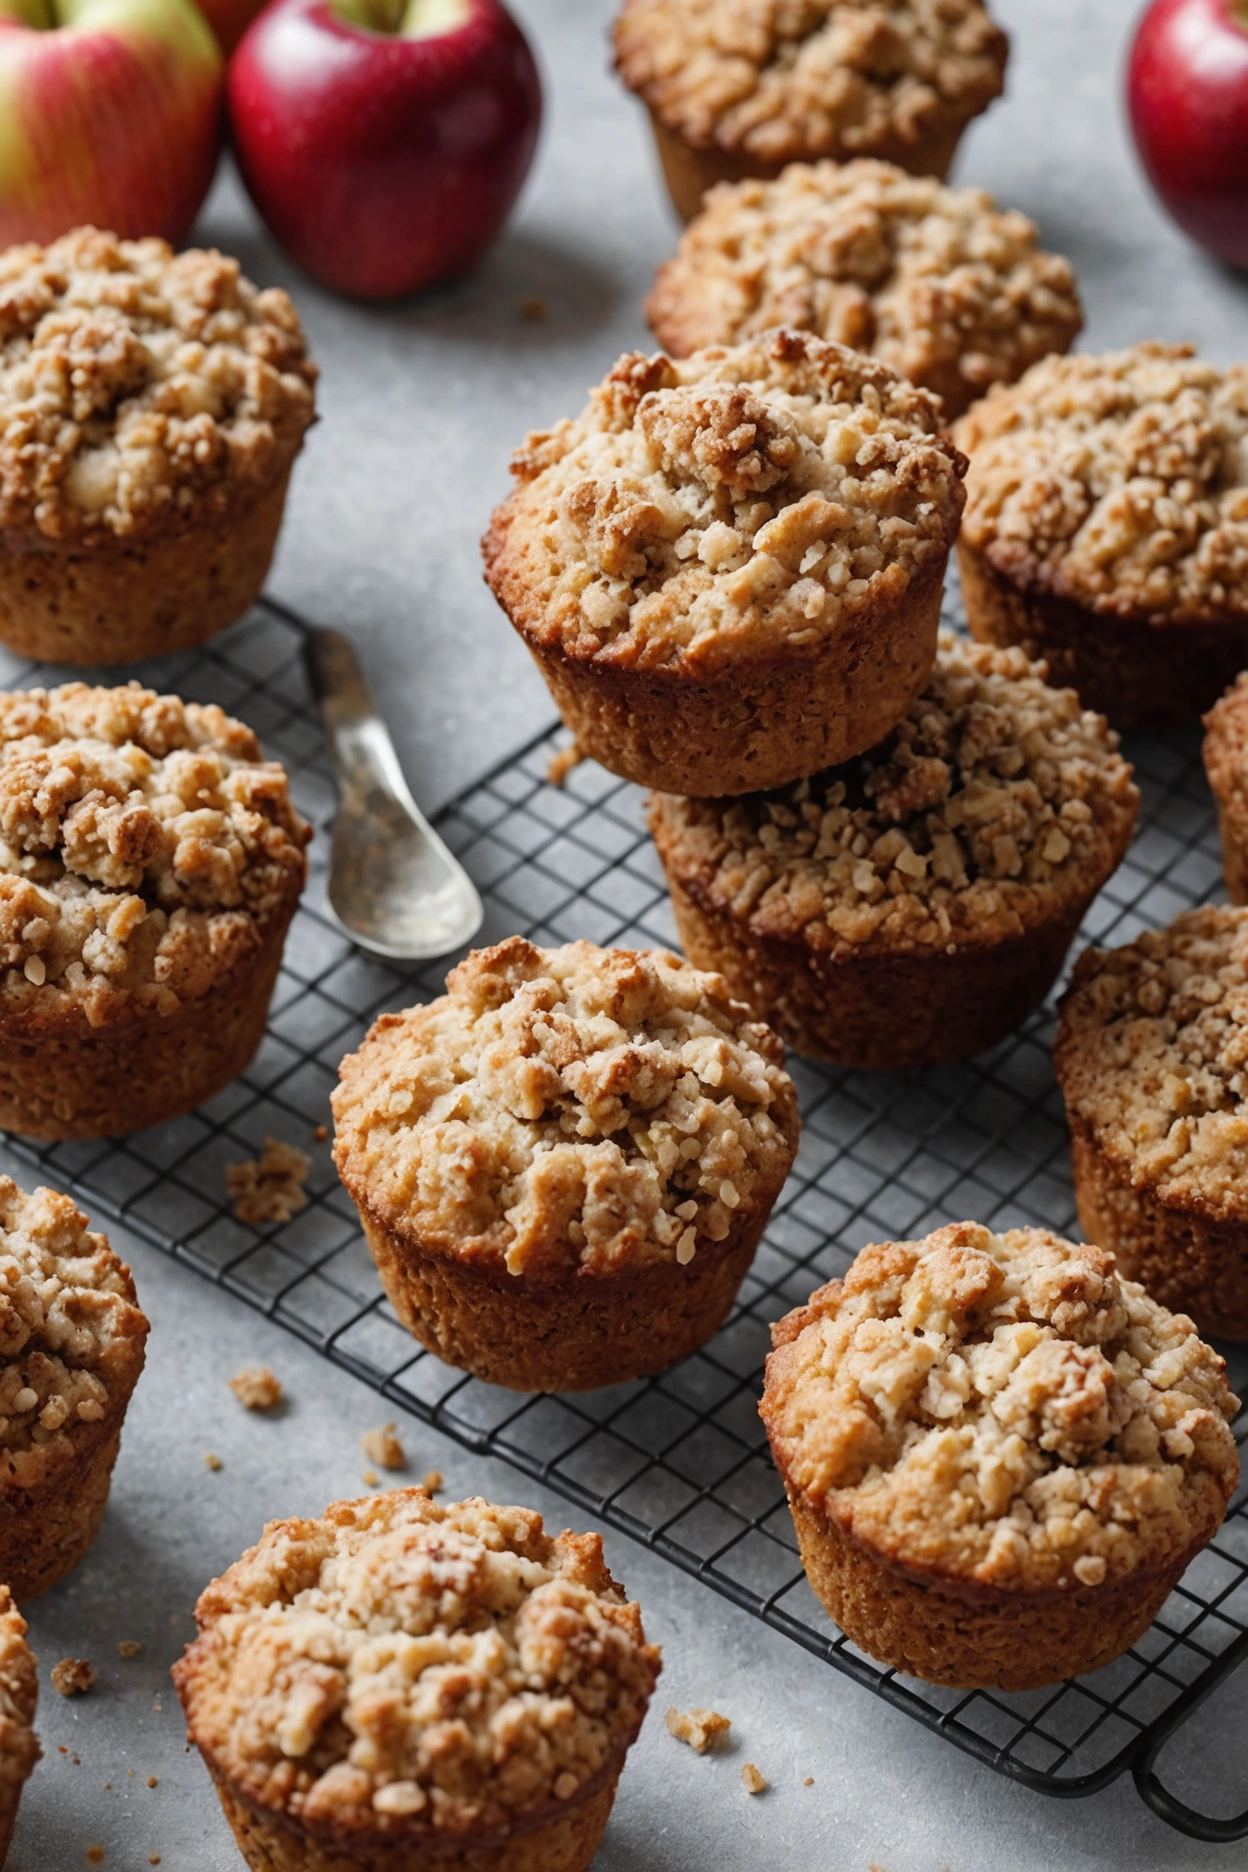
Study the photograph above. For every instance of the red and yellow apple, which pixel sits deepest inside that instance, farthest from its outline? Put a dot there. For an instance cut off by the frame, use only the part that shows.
(110, 112)
(384, 141)
(1187, 90)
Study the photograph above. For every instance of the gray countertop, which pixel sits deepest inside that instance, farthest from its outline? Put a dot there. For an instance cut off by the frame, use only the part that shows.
(421, 405)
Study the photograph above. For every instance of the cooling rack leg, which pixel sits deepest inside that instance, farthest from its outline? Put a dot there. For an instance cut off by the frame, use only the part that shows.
(1174, 1812)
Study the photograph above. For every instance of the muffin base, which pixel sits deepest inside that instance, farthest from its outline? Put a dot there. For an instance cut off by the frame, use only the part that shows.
(878, 1012)
(1191, 1263)
(689, 172)
(1139, 674)
(976, 1640)
(757, 723)
(1234, 860)
(112, 1080)
(119, 603)
(45, 1537)
(572, 1333)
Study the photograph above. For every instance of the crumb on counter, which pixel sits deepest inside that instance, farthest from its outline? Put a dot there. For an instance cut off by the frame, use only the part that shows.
(153, 1781)
(383, 1448)
(809, 1781)
(73, 1676)
(700, 1728)
(534, 309)
(213, 1461)
(752, 1781)
(432, 1482)
(371, 1479)
(95, 1855)
(128, 1647)
(257, 1388)
(269, 1188)
(321, 1134)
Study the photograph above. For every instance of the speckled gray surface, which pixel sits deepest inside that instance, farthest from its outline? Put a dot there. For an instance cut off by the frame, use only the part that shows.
(421, 405)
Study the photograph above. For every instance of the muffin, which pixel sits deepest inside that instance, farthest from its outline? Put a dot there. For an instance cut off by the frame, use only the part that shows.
(1107, 527)
(564, 1165)
(72, 1343)
(151, 406)
(739, 88)
(1000, 1455)
(913, 906)
(401, 1684)
(19, 1691)
(1226, 767)
(150, 863)
(943, 287)
(729, 568)
(1150, 1055)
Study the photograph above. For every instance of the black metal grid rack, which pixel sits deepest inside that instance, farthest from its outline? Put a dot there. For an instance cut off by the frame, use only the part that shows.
(679, 1461)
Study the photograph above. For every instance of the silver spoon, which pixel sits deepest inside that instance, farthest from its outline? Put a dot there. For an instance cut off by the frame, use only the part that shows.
(394, 888)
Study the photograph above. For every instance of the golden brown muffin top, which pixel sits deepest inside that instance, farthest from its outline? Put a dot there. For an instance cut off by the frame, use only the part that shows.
(19, 1692)
(607, 1108)
(1151, 1055)
(995, 803)
(72, 1338)
(778, 79)
(1002, 1409)
(144, 847)
(397, 1666)
(140, 389)
(948, 290)
(1119, 482)
(733, 503)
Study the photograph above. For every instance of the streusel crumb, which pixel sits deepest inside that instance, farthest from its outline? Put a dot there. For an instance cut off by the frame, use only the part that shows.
(700, 1728)
(786, 78)
(1005, 1409)
(612, 1104)
(73, 1676)
(19, 1690)
(382, 1446)
(128, 1647)
(751, 1780)
(950, 291)
(269, 1188)
(982, 814)
(725, 504)
(397, 1659)
(257, 1388)
(1119, 482)
(140, 388)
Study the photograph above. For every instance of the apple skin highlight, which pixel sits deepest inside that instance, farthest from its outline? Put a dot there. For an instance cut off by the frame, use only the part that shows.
(110, 113)
(385, 155)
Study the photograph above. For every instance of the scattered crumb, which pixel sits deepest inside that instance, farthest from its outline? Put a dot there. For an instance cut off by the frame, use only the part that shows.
(256, 1387)
(73, 1677)
(432, 1482)
(77, 1760)
(371, 1478)
(321, 1133)
(270, 1188)
(562, 763)
(700, 1728)
(106, 1784)
(64, 1750)
(383, 1447)
(533, 309)
(153, 1859)
(752, 1781)
(213, 1462)
(153, 1781)
(95, 1855)
(809, 1781)
(130, 1774)
(128, 1647)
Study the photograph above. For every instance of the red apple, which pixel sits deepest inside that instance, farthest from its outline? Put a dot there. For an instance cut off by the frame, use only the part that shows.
(110, 112)
(384, 142)
(1187, 88)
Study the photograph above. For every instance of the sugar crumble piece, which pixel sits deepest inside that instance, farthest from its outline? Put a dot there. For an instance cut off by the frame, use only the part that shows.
(562, 763)
(73, 1677)
(269, 1188)
(432, 1482)
(106, 1784)
(809, 1781)
(533, 309)
(213, 1461)
(128, 1647)
(700, 1728)
(752, 1781)
(153, 1858)
(321, 1134)
(383, 1448)
(95, 1855)
(257, 1388)
(153, 1781)
(371, 1478)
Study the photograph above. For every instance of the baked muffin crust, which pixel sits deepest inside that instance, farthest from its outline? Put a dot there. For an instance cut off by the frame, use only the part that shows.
(1117, 482)
(140, 390)
(949, 291)
(1002, 1410)
(19, 1691)
(781, 79)
(728, 505)
(145, 847)
(399, 1667)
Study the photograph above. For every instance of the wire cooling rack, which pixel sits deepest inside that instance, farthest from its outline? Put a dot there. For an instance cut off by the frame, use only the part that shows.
(678, 1461)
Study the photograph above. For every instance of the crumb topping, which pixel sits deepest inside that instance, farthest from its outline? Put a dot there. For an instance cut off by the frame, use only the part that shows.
(383, 1447)
(269, 1188)
(610, 1108)
(996, 802)
(941, 285)
(776, 79)
(19, 1692)
(140, 388)
(71, 1337)
(1151, 1054)
(144, 845)
(725, 504)
(1119, 482)
(399, 1665)
(73, 1676)
(257, 1388)
(700, 1728)
(1005, 1409)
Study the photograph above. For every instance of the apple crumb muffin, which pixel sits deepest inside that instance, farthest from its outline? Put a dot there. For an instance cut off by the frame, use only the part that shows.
(150, 863)
(1226, 769)
(739, 88)
(564, 1165)
(949, 291)
(19, 1693)
(1150, 1056)
(151, 407)
(399, 1683)
(999, 1453)
(729, 567)
(1106, 527)
(72, 1343)
(912, 906)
